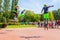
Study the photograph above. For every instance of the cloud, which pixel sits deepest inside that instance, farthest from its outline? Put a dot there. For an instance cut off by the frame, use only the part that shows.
(54, 0)
(36, 5)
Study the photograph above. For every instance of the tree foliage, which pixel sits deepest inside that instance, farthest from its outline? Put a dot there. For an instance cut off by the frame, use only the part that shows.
(0, 5)
(30, 16)
(51, 16)
(0, 10)
(6, 9)
(14, 3)
(56, 14)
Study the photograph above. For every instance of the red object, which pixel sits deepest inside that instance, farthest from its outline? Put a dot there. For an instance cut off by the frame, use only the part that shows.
(50, 24)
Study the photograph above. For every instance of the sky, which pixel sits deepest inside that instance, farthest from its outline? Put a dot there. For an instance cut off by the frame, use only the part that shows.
(37, 5)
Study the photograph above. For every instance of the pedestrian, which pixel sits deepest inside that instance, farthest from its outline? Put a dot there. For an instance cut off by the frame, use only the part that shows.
(54, 24)
(38, 23)
(45, 25)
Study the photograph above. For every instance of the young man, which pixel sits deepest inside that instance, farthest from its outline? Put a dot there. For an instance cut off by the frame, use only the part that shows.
(22, 15)
(46, 15)
(16, 11)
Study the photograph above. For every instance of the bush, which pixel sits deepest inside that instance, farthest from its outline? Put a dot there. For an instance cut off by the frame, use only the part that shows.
(3, 25)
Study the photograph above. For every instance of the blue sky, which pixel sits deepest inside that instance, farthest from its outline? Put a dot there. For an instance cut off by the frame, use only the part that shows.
(36, 5)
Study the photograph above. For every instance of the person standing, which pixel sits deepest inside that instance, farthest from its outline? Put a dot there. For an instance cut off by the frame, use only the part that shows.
(38, 23)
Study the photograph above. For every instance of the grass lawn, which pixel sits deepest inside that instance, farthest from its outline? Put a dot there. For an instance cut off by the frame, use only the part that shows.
(21, 26)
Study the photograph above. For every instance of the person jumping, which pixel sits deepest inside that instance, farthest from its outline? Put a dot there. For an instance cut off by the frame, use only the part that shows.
(46, 15)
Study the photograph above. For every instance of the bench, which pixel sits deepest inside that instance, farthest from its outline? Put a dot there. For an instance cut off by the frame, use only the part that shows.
(13, 21)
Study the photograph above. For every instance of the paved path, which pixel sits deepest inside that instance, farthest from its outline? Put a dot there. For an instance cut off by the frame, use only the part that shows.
(30, 34)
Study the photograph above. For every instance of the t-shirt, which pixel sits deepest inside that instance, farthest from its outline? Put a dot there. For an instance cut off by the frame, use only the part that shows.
(45, 9)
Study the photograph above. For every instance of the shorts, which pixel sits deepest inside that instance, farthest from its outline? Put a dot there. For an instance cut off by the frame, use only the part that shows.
(21, 15)
(46, 16)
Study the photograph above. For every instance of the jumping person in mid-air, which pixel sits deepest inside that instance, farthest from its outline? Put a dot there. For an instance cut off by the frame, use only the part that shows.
(16, 11)
(46, 15)
(22, 15)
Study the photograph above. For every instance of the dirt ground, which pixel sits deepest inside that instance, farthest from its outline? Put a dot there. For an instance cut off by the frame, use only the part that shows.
(29, 34)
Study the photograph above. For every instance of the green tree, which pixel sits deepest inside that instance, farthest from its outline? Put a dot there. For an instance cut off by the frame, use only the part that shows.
(14, 3)
(51, 16)
(6, 9)
(55, 13)
(41, 17)
(0, 10)
(30, 16)
(58, 13)
(0, 5)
